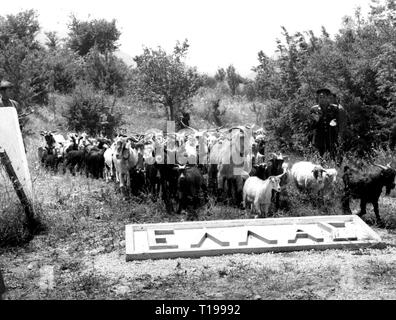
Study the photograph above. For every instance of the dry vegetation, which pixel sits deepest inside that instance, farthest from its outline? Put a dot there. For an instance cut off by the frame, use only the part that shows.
(81, 252)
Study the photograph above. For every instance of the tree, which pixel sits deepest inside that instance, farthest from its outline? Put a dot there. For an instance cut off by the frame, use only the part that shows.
(22, 59)
(23, 26)
(86, 109)
(84, 35)
(258, 109)
(165, 79)
(66, 69)
(233, 79)
(358, 66)
(267, 83)
(110, 75)
(220, 75)
(52, 41)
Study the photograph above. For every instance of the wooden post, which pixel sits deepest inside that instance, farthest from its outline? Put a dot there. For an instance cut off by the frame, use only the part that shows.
(2, 286)
(6, 162)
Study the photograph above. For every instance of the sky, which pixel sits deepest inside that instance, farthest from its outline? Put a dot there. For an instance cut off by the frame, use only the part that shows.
(220, 32)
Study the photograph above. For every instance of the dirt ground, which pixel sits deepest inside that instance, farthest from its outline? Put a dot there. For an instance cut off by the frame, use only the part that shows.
(82, 254)
(67, 272)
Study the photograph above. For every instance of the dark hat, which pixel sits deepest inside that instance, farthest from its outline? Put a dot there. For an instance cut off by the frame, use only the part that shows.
(324, 91)
(4, 84)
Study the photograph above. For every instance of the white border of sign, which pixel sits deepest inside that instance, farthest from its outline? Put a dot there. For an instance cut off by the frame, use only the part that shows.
(132, 254)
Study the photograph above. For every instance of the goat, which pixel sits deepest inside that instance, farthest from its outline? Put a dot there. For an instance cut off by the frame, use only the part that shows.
(308, 176)
(259, 192)
(367, 187)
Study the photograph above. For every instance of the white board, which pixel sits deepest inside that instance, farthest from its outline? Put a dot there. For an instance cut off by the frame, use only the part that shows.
(208, 238)
(11, 141)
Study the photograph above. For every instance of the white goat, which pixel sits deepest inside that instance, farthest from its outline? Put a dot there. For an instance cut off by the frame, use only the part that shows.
(259, 192)
(308, 176)
(124, 159)
(109, 169)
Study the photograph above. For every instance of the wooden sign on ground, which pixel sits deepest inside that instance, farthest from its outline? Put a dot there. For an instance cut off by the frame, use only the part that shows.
(209, 238)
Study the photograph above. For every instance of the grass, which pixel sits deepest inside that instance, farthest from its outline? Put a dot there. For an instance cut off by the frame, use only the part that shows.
(85, 221)
(77, 205)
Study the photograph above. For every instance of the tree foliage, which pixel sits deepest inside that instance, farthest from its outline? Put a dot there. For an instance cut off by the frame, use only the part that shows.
(233, 79)
(165, 79)
(85, 35)
(22, 59)
(107, 73)
(358, 65)
(66, 69)
(87, 107)
(220, 75)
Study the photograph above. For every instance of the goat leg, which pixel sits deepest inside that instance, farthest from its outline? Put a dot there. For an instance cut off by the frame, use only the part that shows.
(363, 205)
(345, 204)
(376, 211)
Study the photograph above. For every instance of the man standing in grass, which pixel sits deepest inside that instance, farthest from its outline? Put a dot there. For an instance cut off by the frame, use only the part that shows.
(328, 123)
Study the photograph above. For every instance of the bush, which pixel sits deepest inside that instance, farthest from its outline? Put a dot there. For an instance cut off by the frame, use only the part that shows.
(14, 230)
(66, 67)
(107, 73)
(87, 109)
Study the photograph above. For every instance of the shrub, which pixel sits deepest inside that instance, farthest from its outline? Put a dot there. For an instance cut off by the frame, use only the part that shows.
(14, 230)
(87, 109)
(106, 72)
(66, 67)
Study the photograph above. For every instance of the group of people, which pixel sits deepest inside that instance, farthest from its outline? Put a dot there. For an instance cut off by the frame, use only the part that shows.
(327, 119)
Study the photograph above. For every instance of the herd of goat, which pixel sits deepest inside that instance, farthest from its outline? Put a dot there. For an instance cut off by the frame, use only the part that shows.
(184, 167)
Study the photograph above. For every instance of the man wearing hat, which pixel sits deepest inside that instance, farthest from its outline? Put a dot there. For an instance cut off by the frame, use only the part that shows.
(5, 101)
(328, 123)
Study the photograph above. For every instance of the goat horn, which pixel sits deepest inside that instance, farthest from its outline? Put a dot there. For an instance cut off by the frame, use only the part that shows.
(380, 166)
(188, 126)
(281, 175)
(214, 129)
(239, 128)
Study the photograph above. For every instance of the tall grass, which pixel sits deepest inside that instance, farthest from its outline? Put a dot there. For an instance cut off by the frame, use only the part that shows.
(92, 210)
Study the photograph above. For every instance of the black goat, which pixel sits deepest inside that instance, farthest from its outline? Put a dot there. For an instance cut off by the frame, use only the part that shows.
(190, 184)
(49, 158)
(153, 179)
(51, 161)
(94, 163)
(75, 161)
(367, 187)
